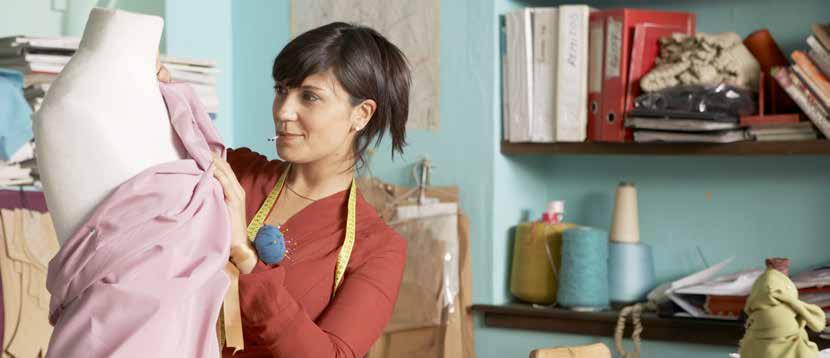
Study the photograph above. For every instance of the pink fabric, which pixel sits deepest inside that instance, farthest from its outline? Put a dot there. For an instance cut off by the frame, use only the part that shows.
(144, 275)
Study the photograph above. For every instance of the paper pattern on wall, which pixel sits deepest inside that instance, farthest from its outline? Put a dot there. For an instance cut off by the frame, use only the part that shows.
(411, 25)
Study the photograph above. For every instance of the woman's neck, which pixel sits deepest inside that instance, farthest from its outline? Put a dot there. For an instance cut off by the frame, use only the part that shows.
(321, 178)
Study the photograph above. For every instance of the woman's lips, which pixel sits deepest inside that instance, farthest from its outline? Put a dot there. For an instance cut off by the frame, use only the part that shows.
(284, 137)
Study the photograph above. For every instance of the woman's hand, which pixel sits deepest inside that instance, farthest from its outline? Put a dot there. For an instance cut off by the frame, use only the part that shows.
(243, 254)
(161, 72)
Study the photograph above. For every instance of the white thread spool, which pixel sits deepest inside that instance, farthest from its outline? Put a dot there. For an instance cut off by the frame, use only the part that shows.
(625, 225)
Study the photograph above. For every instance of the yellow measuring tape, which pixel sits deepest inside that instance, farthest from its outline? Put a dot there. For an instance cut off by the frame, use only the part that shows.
(230, 321)
(348, 244)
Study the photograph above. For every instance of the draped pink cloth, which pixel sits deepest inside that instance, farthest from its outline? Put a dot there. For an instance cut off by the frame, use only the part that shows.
(143, 277)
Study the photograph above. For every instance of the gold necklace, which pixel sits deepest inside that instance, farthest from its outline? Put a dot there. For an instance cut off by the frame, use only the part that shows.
(298, 194)
(351, 225)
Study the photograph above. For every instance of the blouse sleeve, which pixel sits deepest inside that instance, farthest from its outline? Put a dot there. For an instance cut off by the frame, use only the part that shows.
(255, 173)
(351, 323)
(244, 161)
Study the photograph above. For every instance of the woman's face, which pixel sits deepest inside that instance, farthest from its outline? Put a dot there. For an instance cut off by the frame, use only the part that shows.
(315, 120)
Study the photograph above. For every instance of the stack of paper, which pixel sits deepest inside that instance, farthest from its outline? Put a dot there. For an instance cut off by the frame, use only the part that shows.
(21, 168)
(697, 293)
(201, 75)
(41, 59)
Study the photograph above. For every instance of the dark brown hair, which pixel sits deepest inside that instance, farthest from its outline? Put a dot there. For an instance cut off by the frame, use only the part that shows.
(366, 64)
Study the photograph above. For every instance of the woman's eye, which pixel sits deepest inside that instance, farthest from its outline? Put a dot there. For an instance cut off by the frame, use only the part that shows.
(310, 97)
(281, 90)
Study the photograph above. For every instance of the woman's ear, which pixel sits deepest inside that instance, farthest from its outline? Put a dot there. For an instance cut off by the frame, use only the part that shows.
(362, 113)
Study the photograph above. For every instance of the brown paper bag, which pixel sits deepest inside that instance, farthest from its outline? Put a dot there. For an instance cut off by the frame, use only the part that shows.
(420, 301)
(454, 337)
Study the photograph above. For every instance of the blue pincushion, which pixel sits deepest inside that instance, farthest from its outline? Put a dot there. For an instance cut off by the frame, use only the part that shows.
(270, 244)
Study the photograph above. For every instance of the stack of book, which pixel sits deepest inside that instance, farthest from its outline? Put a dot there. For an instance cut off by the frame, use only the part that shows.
(21, 168)
(790, 132)
(674, 126)
(15, 175)
(41, 59)
(546, 74)
(200, 74)
(806, 81)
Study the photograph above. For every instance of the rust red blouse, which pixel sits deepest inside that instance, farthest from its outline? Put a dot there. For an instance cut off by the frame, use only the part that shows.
(287, 309)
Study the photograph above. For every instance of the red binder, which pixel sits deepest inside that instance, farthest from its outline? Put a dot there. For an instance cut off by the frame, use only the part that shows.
(619, 28)
(596, 36)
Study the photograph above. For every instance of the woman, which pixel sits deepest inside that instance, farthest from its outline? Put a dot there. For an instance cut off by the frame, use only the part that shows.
(338, 88)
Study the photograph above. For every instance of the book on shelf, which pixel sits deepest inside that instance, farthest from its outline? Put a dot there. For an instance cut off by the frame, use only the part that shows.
(571, 118)
(678, 124)
(518, 74)
(191, 68)
(820, 31)
(819, 55)
(816, 81)
(544, 22)
(192, 77)
(29, 68)
(21, 45)
(728, 136)
(35, 58)
(726, 306)
(545, 74)
(784, 132)
(803, 98)
(783, 137)
(168, 59)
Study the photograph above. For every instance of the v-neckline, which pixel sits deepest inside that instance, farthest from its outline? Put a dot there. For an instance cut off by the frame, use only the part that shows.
(288, 221)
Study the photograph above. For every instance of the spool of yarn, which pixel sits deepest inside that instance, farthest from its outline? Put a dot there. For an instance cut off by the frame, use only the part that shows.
(583, 279)
(630, 272)
(625, 225)
(537, 250)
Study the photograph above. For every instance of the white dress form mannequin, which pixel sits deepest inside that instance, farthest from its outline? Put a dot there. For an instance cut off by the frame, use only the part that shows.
(103, 120)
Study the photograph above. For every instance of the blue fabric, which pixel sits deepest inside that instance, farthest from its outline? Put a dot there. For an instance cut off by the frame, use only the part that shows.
(15, 114)
(270, 245)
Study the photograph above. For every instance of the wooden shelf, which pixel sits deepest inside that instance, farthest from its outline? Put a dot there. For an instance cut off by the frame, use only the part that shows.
(814, 147)
(687, 330)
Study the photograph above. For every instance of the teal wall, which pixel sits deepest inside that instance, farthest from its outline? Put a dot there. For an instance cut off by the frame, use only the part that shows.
(31, 17)
(203, 29)
(758, 207)
(260, 30)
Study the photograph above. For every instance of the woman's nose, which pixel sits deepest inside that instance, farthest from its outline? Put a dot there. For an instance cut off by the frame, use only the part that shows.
(285, 115)
(285, 109)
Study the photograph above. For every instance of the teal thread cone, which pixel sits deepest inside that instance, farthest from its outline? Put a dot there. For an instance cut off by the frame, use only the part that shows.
(583, 282)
